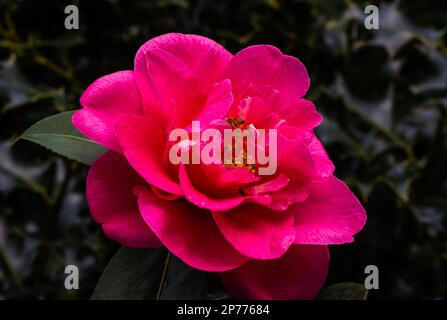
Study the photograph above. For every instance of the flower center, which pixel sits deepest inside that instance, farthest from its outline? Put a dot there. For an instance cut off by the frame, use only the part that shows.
(238, 123)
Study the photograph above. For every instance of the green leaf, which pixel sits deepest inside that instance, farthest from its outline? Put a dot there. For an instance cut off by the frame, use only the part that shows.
(343, 291)
(136, 274)
(184, 282)
(132, 274)
(58, 134)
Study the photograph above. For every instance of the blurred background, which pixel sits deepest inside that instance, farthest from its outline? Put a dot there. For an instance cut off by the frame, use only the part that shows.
(383, 94)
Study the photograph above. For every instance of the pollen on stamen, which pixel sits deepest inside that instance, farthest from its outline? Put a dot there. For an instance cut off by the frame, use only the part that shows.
(235, 123)
(238, 123)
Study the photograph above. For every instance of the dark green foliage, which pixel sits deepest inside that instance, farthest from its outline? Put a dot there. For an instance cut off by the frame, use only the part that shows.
(136, 274)
(343, 291)
(132, 274)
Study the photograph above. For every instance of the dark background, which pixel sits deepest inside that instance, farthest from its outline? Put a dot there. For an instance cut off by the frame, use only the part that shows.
(383, 94)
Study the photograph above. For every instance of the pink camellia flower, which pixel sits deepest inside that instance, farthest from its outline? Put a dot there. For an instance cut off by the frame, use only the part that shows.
(266, 236)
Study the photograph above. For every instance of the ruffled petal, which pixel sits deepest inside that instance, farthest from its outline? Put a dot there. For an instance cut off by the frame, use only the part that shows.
(264, 65)
(202, 200)
(324, 165)
(110, 184)
(257, 232)
(103, 101)
(189, 233)
(296, 163)
(204, 57)
(144, 141)
(330, 215)
(298, 275)
(301, 114)
(217, 105)
(176, 72)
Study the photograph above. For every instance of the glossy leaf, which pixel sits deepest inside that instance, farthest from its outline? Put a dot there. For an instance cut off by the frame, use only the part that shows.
(58, 134)
(184, 282)
(132, 274)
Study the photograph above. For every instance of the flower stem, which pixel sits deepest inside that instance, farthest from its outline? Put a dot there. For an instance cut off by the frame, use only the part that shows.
(163, 276)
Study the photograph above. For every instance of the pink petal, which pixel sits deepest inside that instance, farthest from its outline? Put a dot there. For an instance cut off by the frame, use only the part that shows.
(330, 215)
(265, 65)
(298, 275)
(103, 101)
(296, 163)
(257, 232)
(167, 85)
(165, 195)
(189, 233)
(254, 111)
(143, 140)
(202, 200)
(217, 105)
(110, 184)
(302, 115)
(295, 160)
(175, 66)
(216, 180)
(275, 184)
(201, 55)
(221, 179)
(282, 191)
(294, 192)
(322, 162)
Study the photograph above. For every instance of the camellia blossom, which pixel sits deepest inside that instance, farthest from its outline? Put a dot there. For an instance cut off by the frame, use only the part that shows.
(266, 236)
